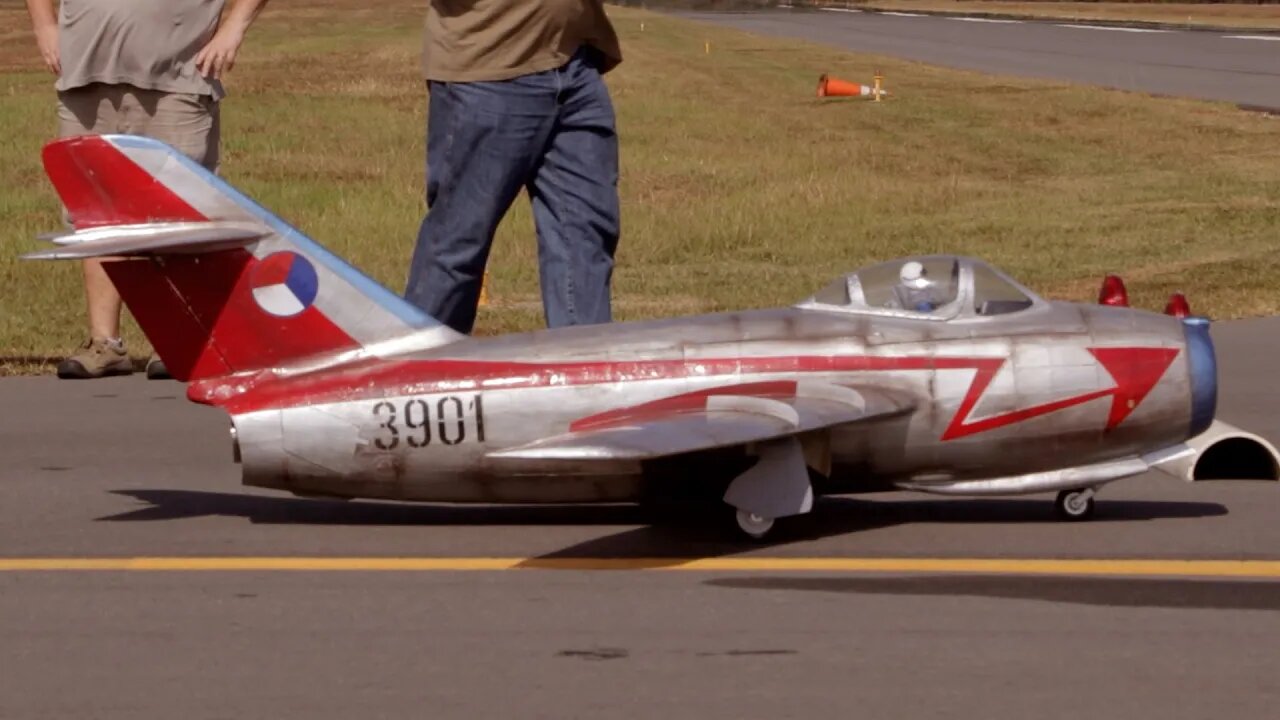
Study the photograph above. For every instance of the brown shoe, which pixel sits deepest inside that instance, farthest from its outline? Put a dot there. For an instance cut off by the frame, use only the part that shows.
(156, 369)
(97, 358)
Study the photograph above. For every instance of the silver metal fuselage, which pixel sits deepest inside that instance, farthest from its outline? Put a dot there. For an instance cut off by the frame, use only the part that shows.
(418, 427)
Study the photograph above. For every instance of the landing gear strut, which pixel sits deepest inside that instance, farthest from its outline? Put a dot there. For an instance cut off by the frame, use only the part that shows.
(1074, 505)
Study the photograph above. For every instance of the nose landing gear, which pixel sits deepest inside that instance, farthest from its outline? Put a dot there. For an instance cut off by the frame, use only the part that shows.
(1074, 505)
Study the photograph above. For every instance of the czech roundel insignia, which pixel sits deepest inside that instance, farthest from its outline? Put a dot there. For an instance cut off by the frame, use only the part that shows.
(284, 284)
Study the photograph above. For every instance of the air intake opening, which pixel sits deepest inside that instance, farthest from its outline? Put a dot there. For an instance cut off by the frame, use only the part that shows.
(1236, 458)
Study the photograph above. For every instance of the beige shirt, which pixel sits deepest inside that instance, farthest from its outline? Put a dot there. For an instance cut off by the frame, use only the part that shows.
(476, 40)
(149, 44)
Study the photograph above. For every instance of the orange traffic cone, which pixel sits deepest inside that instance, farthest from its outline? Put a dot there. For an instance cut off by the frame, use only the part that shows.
(833, 87)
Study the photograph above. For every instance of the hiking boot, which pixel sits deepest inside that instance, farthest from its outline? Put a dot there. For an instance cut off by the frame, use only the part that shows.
(97, 358)
(156, 369)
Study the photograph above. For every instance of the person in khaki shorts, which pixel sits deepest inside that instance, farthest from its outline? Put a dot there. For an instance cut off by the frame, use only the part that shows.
(141, 67)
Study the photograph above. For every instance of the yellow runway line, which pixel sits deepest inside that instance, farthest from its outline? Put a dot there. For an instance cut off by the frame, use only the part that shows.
(1011, 566)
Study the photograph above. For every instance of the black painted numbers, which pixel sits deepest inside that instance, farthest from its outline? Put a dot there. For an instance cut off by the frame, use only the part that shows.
(449, 420)
(386, 412)
(421, 428)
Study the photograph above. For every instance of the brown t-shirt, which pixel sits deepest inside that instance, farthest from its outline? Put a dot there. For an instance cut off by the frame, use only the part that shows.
(149, 44)
(476, 40)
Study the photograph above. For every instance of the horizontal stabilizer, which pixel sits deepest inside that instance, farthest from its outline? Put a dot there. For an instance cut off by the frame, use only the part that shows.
(168, 238)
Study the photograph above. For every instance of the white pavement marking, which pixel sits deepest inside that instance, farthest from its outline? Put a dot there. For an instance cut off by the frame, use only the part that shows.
(1115, 29)
(898, 14)
(987, 20)
(1272, 38)
(848, 10)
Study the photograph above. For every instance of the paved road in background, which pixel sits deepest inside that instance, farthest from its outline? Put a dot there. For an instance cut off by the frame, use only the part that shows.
(126, 467)
(1236, 67)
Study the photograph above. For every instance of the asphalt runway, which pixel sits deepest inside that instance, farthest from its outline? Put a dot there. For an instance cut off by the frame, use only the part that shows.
(1236, 67)
(126, 468)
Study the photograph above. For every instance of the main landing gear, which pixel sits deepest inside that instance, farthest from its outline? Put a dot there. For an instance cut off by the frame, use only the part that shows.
(777, 486)
(1074, 505)
(755, 526)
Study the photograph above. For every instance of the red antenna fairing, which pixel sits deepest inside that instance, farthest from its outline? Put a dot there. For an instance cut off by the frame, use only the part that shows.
(1178, 306)
(1113, 292)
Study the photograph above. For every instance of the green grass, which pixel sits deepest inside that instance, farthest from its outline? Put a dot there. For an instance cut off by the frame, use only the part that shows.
(740, 188)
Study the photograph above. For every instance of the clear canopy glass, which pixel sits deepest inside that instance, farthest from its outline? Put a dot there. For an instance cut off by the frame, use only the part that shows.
(934, 286)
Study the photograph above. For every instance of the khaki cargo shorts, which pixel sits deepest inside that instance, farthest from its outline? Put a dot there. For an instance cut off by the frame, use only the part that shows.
(186, 121)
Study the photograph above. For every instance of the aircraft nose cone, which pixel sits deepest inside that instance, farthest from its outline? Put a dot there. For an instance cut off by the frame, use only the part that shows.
(1202, 366)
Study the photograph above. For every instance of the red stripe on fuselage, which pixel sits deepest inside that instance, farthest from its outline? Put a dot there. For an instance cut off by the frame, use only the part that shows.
(375, 379)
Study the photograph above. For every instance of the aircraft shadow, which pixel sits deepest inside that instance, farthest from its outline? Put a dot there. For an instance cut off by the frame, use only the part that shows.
(686, 536)
(186, 504)
(691, 532)
(1104, 591)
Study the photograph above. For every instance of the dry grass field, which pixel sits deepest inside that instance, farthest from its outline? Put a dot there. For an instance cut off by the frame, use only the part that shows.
(740, 187)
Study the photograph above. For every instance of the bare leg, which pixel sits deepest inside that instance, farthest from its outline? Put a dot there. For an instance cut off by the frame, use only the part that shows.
(103, 301)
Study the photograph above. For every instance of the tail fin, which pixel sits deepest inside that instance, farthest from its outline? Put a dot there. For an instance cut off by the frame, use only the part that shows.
(218, 284)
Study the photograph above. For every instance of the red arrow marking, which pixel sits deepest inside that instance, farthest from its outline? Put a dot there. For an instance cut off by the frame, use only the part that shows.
(1135, 370)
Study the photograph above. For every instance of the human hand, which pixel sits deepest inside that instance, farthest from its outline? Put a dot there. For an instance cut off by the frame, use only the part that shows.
(47, 41)
(220, 54)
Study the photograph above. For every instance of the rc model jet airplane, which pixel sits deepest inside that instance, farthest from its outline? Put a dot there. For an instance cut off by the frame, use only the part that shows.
(937, 374)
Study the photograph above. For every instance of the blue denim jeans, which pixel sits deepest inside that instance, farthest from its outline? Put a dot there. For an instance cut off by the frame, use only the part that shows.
(552, 133)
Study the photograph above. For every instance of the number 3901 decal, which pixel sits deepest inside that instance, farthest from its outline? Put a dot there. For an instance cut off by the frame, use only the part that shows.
(420, 421)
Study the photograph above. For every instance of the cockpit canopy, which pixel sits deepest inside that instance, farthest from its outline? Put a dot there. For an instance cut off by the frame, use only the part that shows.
(939, 287)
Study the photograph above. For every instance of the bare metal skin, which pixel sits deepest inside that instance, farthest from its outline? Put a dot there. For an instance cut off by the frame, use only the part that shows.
(344, 446)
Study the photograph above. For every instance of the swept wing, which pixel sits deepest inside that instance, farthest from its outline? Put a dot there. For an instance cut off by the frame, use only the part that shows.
(706, 420)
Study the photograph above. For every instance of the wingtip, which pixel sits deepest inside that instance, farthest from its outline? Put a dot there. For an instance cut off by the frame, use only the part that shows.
(52, 236)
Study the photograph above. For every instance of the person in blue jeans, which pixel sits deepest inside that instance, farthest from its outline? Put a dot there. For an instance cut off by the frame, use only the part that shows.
(517, 101)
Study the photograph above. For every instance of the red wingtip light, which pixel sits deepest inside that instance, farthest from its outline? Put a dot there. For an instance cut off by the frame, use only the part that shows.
(1113, 292)
(1178, 306)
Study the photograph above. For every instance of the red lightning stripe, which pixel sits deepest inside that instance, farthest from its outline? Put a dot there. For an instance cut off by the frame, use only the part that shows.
(1135, 370)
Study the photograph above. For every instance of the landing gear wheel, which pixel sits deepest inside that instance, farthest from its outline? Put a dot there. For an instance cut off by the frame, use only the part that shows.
(755, 526)
(1074, 505)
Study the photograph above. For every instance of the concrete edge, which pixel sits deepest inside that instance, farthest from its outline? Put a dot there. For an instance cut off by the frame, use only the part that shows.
(1139, 24)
